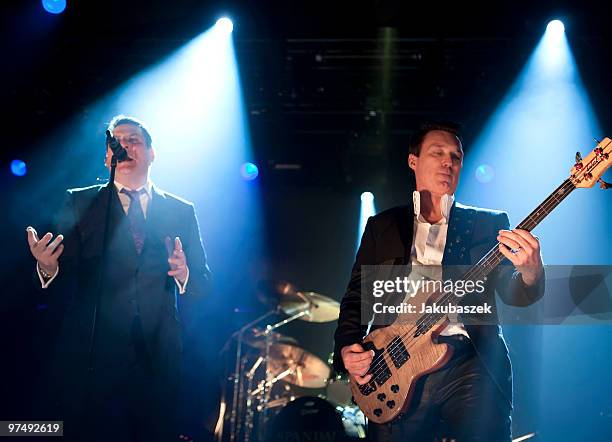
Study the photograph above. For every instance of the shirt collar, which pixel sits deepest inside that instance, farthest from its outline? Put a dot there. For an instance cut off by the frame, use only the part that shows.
(148, 188)
(445, 206)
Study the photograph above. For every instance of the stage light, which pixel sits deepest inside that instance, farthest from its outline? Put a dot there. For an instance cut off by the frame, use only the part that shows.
(367, 197)
(225, 25)
(249, 171)
(54, 6)
(484, 173)
(367, 210)
(530, 142)
(18, 168)
(545, 117)
(555, 27)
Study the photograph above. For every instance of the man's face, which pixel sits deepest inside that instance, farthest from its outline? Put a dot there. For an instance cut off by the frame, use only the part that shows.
(141, 156)
(438, 165)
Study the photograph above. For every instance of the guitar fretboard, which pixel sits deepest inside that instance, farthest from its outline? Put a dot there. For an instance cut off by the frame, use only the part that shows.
(493, 257)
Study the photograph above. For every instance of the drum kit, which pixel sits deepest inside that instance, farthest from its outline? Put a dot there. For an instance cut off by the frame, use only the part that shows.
(277, 390)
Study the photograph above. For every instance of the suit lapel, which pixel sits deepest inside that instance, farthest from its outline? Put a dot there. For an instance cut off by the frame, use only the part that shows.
(456, 250)
(406, 231)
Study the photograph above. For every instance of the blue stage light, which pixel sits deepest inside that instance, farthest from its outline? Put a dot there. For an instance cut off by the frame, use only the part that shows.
(54, 6)
(225, 25)
(249, 171)
(484, 173)
(555, 27)
(367, 197)
(18, 168)
(368, 209)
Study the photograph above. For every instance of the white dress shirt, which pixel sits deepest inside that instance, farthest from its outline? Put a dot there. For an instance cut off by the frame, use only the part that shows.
(145, 198)
(428, 242)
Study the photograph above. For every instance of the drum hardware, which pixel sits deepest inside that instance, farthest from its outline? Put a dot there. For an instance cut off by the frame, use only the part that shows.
(524, 437)
(249, 413)
(269, 383)
(236, 381)
(265, 394)
(282, 358)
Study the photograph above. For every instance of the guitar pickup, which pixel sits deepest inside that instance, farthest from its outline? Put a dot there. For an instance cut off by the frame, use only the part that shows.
(426, 322)
(398, 352)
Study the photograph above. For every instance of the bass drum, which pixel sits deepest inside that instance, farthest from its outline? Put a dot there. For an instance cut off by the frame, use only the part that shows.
(306, 419)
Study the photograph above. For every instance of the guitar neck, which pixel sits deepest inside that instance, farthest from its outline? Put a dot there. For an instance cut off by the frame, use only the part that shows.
(493, 257)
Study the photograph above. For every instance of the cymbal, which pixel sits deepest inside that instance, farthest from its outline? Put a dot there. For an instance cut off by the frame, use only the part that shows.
(269, 291)
(298, 366)
(256, 338)
(320, 308)
(286, 297)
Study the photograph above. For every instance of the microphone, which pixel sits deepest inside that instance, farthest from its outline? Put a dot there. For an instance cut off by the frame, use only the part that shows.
(119, 152)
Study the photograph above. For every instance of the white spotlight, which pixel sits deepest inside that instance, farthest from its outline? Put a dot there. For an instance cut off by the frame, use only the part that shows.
(555, 27)
(367, 197)
(225, 25)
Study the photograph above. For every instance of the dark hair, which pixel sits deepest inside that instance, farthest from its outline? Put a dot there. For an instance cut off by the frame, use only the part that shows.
(124, 119)
(416, 140)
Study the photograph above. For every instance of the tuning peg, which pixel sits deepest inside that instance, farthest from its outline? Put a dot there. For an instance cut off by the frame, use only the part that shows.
(578, 164)
(578, 157)
(599, 152)
(603, 184)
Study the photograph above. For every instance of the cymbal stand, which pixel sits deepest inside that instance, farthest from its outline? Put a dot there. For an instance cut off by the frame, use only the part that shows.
(268, 381)
(236, 381)
(248, 424)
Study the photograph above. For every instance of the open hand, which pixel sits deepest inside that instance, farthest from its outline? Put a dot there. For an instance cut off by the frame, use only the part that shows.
(177, 260)
(45, 251)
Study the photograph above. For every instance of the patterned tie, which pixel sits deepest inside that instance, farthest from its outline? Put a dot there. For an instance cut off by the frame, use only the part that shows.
(136, 217)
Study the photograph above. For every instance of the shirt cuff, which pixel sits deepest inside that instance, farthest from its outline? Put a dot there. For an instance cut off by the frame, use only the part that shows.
(182, 287)
(45, 282)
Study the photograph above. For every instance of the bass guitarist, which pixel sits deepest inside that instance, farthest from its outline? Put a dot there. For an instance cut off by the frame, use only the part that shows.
(470, 397)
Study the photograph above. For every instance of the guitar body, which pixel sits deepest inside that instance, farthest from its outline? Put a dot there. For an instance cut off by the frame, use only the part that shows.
(400, 360)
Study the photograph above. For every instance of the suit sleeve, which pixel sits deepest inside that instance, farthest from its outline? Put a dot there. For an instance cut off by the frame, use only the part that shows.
(509, 285)
(351, 329)
(200, 276)
(61, 289)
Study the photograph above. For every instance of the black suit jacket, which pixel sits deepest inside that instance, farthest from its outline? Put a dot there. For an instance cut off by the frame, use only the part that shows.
(387, 239)
(138, 304)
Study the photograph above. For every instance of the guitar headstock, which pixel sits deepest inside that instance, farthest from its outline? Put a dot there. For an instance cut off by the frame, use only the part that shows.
(587, 171)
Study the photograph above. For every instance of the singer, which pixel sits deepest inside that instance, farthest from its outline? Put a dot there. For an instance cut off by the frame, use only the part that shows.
(120, 385)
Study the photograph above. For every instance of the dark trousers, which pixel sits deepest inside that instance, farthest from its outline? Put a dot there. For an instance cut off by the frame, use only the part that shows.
(132, 410)
(130, 398)
(460, 401)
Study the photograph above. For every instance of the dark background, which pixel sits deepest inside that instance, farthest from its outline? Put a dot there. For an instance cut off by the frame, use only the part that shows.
(311, 78)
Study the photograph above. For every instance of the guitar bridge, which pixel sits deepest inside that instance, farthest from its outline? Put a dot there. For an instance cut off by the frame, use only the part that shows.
(368, 388)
